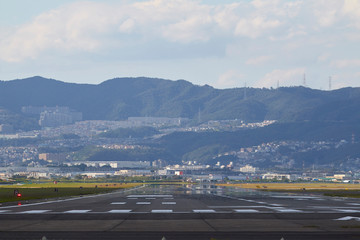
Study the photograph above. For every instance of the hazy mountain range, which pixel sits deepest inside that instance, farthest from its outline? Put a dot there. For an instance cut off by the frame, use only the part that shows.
(120, 98)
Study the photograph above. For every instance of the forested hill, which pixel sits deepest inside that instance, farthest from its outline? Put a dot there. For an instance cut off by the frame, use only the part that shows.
(120, 98)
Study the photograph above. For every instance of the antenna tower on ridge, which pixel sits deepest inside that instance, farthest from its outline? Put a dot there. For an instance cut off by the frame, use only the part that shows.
(199, 116)
(245, 97)
(304, 80)
(330, 83)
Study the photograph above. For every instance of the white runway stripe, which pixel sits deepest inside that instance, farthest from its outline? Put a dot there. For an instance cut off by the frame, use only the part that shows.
(347, 210)
(168, 203)
(162, 211)
(3, 211)
(118, 203)
(347, 218)
(246, 211)
(120, 211)
(35, 211)
(78, 211)
(145, 196)
(143, 203)
(242, 206)
(286, 210)
(203, 211)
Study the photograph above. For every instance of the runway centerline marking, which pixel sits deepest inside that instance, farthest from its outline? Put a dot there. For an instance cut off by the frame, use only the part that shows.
(77, 211)
(168, 203)
(118, 203)
(143, 203)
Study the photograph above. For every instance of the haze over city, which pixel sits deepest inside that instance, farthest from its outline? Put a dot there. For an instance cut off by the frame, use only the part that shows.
(224, 44)
(180, 119)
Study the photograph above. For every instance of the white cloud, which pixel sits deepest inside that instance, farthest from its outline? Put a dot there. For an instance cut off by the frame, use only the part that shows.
(351, 9)
(258, 60)
(229, 79)
(288, 77)
(327, 12)
(90, 26)
(255, 27)
(344, 63)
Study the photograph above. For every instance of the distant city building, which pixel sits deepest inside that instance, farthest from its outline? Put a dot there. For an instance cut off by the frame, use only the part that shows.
(248, 169)
(52, 157)
(6, 128)
(146, 121)
(159, 163)
(58, 117)
(37, 110)
(276, 176)
(113, 164)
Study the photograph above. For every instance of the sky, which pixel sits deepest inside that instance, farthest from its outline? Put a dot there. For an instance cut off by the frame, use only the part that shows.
(225, 44)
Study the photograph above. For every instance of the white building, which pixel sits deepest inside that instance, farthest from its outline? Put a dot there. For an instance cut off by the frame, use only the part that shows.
(248, 169)
(276, 176)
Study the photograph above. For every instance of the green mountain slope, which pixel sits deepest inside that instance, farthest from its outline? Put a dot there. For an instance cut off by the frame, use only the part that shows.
(120, 98)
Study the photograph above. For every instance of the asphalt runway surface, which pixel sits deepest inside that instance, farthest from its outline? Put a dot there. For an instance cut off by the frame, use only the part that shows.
(184, 212)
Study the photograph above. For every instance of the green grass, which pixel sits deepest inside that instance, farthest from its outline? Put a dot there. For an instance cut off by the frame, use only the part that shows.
(7, 194)
(47, 190)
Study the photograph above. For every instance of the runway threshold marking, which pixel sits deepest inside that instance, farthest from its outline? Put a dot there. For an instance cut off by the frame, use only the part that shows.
(78, 211)
(120, 211)
(118, 203)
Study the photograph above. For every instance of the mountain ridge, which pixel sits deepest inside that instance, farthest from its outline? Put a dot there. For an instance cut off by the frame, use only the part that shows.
(119, 98)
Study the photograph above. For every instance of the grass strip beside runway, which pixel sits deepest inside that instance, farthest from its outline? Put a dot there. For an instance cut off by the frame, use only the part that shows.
(295, 186)
(48, 190)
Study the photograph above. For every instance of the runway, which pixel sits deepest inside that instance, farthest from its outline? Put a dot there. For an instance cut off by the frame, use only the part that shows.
(185, 212)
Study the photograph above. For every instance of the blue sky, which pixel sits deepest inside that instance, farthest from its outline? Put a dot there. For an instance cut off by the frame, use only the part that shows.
(224, 44)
